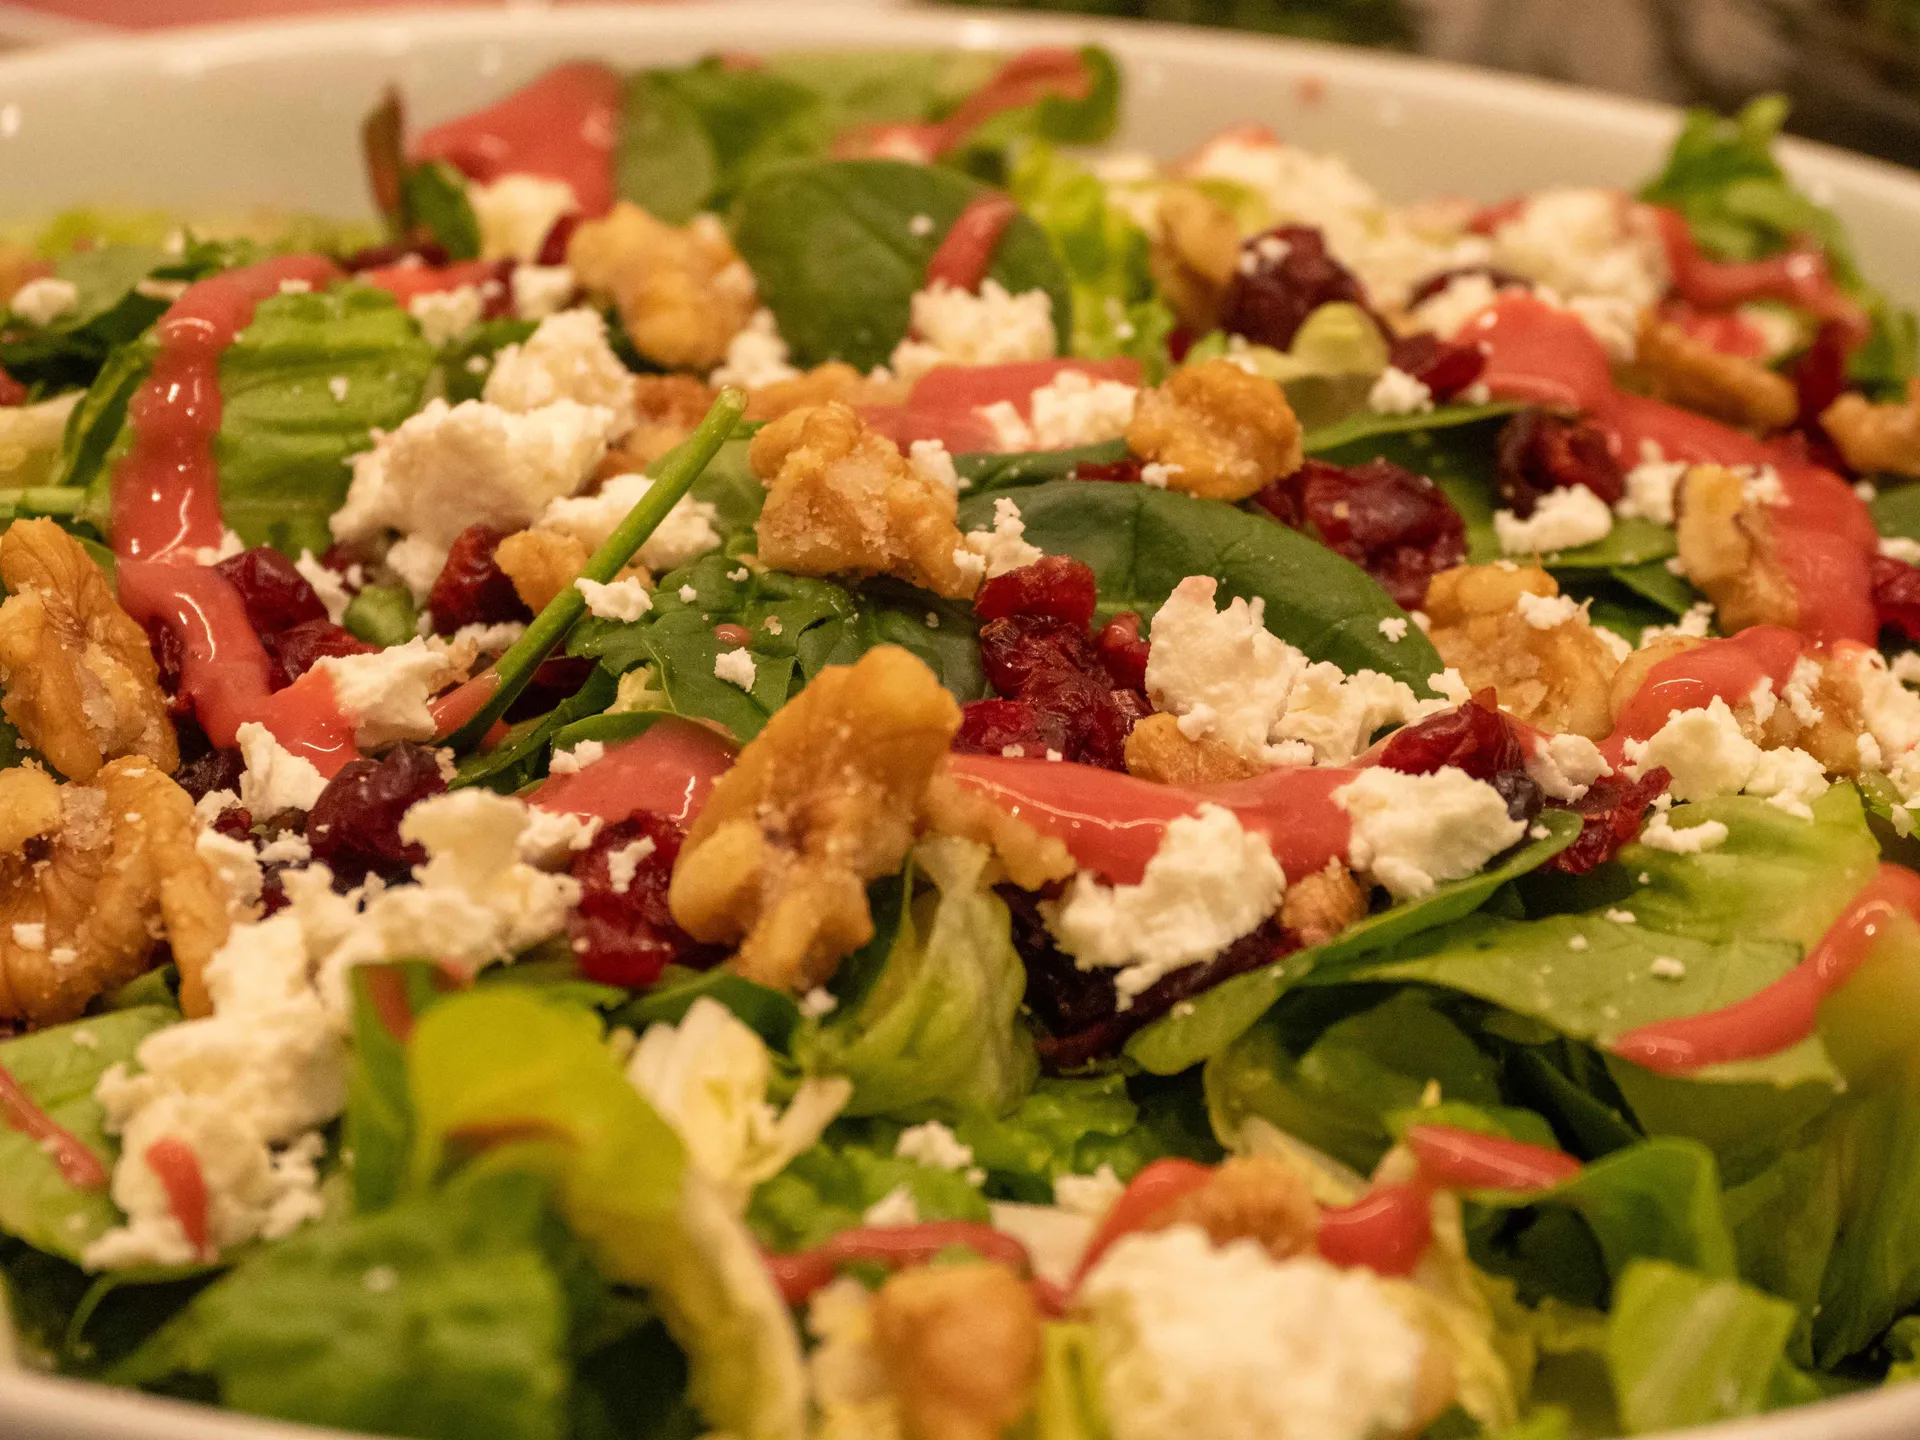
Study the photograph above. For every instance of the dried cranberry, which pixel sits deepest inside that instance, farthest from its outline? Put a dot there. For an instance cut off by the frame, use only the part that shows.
(553, 249)
(1118, 472)
(1283, 277)
(1820, 374)
(471, 588)
(297, 650)
(1435, 283)
(276, 596)
(1397, 526)
(993, 727)
(12, 392)
(1013, 647)
(235, 823)
(379, 257)
(623, 932)
(1474, 737)
(1123, 650)
(1442, 366)
(1179, 341)
(1538, 452)
(1896, 595)
(1612, 810)
(203, 769)
(170, 655)
(1057, 587)
(355, 824)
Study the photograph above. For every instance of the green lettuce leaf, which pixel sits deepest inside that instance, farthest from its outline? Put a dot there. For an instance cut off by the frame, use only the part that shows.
(831, 1185)
(58, 1072)
(1069, 1405)
(1067, 1126)
(1686, 1349)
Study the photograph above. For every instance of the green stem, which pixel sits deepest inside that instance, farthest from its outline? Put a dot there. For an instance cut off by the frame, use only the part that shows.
(677, 474)
(44, 500)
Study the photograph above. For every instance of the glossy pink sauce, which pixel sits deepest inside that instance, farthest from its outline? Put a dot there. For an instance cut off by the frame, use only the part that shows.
(945, 403)
(78, 1165)
(1023, 80)
(669, 769)
(1787, 1011)
(1112, 824)
(1728, 669)
(403, 282)
(1824, 539)
(965, 253)
(563, 126)
(1800, 277)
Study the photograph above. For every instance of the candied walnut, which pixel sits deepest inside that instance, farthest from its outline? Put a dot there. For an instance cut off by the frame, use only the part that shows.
(682, 291)
(1158, 751)
(1557, 678)
(85, 900)
(29, 807)
(1726, 547)
(1690, 372)
(960, 1345)
(1634, 670)
(1029, 858)
(82, 686)
(1877, 437)
(543, 563)
(843, 500)
(1831, 732)
(1221, 432)
(1319, 906)
(669, 407)
(835, 380)
(1196, 245)
(822, 801)
(1251, 1197)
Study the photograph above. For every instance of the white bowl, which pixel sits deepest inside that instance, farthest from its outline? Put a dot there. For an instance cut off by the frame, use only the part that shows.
(224, 119)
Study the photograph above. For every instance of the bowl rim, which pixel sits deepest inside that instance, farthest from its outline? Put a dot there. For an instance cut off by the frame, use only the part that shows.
(71, 1409)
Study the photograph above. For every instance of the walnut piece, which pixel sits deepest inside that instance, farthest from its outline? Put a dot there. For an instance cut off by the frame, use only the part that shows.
(85, 901)
(1319, 906)
(843, 500)
(1196, 245)
(960, 1345)
(1157, 750)
(1221, 432)
(1634, 670)
(1558, 678)
(682, 291)
(669, 407)
(1726, 547)
(821, 802)
(1689, 372)
(1028, 858)
(1250, 1197)
(835, 380)
(1884, 438)
(81, 683)
(540, 563)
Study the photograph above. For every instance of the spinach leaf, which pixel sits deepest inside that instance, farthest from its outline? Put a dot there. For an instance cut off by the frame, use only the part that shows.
(994, 470)
(730, 486)
(521, 755)
(466, 362)
(1368, 426)
(1631, 542)
(58, 1073)
(1896, 511)
(1141, 542)
(664, 162)
(109, 311)
(772, 1014)
(1211, 1021)
(433, 197)
(1653, 581)
(796, 625)
(96, 428)
(833, 246)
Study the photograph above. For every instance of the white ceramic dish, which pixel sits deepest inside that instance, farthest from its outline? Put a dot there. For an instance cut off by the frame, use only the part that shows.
(228, 118)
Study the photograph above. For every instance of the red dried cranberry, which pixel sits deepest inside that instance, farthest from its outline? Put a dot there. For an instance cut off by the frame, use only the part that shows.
(276, 596)
(1179, 341)
(1442, 366)
(12, 392)
(1117, 472)
(379, 257)
(204, 769)
(1123, 650)
(1397, 526)
(170, 654)
(1014, 647)
(235, 823)
(297, 650)
(471, 588)
(1820, 374)
(1538, 452)
(1896, 595)
(1435, 283)
(1612, 810)
(1474, 737)
(992, 727)
(354, 827)
(623, 932)
(1057, 587)
(553, 249)
(1283, 277)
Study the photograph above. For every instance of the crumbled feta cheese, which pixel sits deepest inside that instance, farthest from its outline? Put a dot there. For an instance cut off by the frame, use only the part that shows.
(1889, 712)
(1660, 834)
(920, 225)
(1650, 489)
(44, 300)
(756, 355)
(493, 639)
(932, 463)
(624, 863)
(1089, 1195)
(1547, 612)
(1578, 943)
(685, 534)
(934, 1145)
(1398, 393)
(956, 327)
(1789, 778)
(275, 779)
(552, 838)
(1157, 474)
(1002, 548)
(1338, 714)
(329, 584)
(1620, 917)
(1448, 685)
(1760, 485)
(1230, 1344)
(572, 762)
(516, 213)
(735, 667)
(1447, 311)
(1009, 426)
(1411, 832)
(1694, 624)
(1899, 547)
(229, 546)
(1563, 519)
(1075, 409)
(818, 1002)
(541, 290)
(386, 693)
(567, 358)
(1665, 967)
(618, 600)
(1564, 766)
(1209, 883)
(1394, 628)
(1585, 243)
(1704, 750)
(1054, 1238)
(896, 1207)
(446, 315)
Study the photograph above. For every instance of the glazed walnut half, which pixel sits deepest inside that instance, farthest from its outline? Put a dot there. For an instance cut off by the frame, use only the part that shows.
(821, 802)
(1726, 545)
(1883, 438)
(1690, 372)
(1221, 432)
(682, 290)
(960, 1345)
(81, 683)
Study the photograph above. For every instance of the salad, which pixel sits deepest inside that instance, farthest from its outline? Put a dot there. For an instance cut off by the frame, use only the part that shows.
(807, 758)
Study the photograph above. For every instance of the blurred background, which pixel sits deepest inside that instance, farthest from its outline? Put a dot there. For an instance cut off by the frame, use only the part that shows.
(1850, 67)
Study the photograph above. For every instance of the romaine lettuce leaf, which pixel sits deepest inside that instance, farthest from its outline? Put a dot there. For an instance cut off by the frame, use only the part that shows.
(1685, 1348)
(1066, 1126)
(830, 1186)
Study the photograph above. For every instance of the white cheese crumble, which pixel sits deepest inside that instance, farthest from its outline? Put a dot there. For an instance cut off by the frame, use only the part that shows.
(932, 463)
(386, 693)
(573, 761)
(541, 290)
(445, 315)
(567, 358)
(1411, 832)
(1707, 754)
(1563, 519)
(1899, 547)
(955, 327)
(275, 778)
(1547, 612)
(1585, 243)
(756, 355)
(516, 213)
(1398, 393)
(625, 599)
(1394, 628)
(934, 1145)
(1000, 549)
(553, 837)
(624, 863)
(1157, 474)
(1665, 967)
(1661, 834)
(1210, 882)
(1076, 409)
(1650, 488)
(1564, 766)
(44, 300)
(685, 534)
(735, 667)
